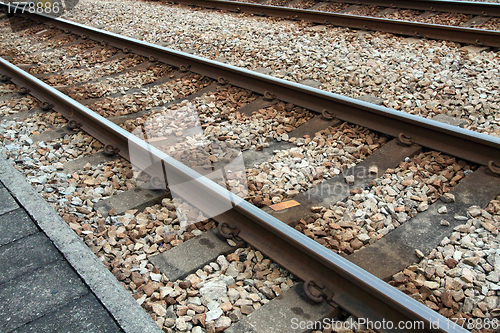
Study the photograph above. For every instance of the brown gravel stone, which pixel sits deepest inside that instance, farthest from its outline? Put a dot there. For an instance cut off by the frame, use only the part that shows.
(425, 292)
(356, 244)
(151, 287)
(137, 279)
(400, 278)
(170, 300)
(184, 284)
(447, 299)
(233, 257)
(450, 262)
(182, 310)
(246, 309)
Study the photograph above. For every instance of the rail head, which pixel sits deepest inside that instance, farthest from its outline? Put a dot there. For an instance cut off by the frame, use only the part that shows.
(481, 37)
(463, 7)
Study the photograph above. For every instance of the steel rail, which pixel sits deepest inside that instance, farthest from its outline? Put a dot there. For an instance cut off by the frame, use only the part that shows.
(356, 290)
(422, 30)
(466, 144)
(463, 7)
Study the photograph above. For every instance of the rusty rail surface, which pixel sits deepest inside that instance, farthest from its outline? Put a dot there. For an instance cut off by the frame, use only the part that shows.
(480, 37)
(463, 7)
(350, 287)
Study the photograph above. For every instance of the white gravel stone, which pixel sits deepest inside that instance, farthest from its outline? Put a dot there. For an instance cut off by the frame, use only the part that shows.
(442, 210)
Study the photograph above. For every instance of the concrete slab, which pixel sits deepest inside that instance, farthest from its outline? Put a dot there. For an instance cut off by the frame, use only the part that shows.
(22, 115)
(8, 97)
(362, 32)
(169, 140)
(477, 20)
(28, 298)
(139, 37)
(25, 255)
(292, 3)
(80, 315)
(255, 105)
(311, 83)
(7, 202)
(79, 163)
(162, 44)
(318, 27)
(316, 124)
(264, 70)
(200, 250)
(350, 9)
(221, 59)
(142, 66)
(319, 5)
(136, 198)
(371, 99)
(336, 189)
(172, 76)
(475, 48)
(427, 14)
(444, 118)
(283, 313)
(53, 134)
(122, 119)
(424, 232)
(15, 225)
(252, 157)
(412, 40)
(313, 126)
(386, 11)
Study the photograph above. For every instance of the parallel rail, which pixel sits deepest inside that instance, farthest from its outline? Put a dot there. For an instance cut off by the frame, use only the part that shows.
(354, 289)
(472, 146)
(463, 7)
(422, 30)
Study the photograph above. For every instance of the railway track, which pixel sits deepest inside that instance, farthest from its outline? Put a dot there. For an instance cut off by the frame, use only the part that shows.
(476, 26)
(118, 106)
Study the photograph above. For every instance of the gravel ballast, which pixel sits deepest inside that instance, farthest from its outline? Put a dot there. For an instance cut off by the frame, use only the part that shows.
(399, 194)
(421, 77)
(460, 278)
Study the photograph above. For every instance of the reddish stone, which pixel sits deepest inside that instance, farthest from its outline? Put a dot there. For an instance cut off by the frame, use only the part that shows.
(447, 299)
(451, 263)
(137, 279)
(150, 287)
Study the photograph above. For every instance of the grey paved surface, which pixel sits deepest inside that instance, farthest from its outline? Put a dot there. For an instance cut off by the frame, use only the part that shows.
(8, 203)
(48, 273)
(39, 290)
(14, 225)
